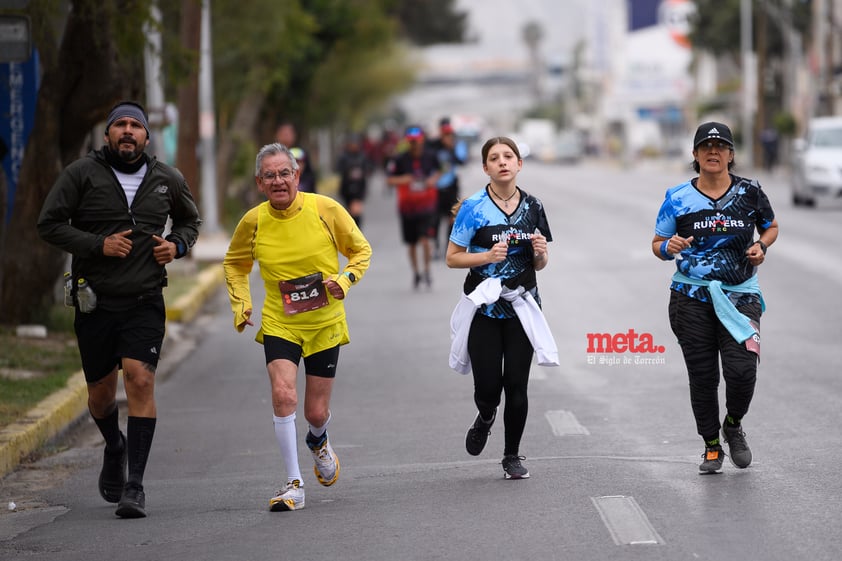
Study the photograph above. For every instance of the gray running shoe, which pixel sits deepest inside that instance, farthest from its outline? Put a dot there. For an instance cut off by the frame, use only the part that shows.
(513, 469)
(738, 449)
(712, 460)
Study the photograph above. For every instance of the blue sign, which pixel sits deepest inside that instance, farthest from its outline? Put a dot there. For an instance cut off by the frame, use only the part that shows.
(19, 82)
(642, 13)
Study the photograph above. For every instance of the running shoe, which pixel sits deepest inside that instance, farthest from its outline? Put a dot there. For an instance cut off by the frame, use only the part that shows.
(513, 468)
(738, 450)
(133, 502)
(326, 465)
(712, 460)
(290, 497)
(416, 281)
(112, 478)
(477, 434)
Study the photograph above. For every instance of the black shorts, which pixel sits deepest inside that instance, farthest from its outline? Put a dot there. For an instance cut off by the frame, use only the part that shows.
(321, 364)
(417, 226)
(105, 337)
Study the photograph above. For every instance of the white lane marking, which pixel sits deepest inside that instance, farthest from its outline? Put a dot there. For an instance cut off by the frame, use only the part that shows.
(564, 423)
(626, 521)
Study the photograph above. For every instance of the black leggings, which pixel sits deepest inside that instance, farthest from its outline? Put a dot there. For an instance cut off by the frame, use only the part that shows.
(704, 342)
(501, 356)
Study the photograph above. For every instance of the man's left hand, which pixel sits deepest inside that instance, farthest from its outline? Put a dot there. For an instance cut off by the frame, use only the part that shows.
(334, 289)
(164, 250)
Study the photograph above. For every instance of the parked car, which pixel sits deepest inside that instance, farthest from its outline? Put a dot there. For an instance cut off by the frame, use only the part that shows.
(817, 162)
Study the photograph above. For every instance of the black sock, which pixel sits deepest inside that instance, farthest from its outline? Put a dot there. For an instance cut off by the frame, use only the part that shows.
(109, 427)
(139, 432)
(712, 440)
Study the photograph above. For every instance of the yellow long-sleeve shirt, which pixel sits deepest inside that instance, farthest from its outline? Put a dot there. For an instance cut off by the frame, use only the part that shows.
(303, 239)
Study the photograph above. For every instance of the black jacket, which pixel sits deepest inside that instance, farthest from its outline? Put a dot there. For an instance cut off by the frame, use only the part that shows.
(88, 204)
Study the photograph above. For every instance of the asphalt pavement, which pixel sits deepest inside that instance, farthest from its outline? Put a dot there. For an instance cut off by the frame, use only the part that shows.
(610, 441)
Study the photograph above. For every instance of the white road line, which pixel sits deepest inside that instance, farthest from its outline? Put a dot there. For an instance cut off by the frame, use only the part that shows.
(626, 521)
(564, 423)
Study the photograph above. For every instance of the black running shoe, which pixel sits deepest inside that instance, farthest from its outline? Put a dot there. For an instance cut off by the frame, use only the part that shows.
(112, 478)
(738, 449)
(513, 468)
(712, 460)
(477, 434)
(133, 502)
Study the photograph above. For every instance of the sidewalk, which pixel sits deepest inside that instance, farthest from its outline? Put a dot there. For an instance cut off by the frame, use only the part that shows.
(57, 412)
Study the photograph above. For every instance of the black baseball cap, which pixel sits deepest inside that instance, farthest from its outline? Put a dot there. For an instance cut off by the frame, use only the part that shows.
(713, 131)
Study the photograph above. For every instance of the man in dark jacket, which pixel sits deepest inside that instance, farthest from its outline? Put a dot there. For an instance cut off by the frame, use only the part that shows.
(109, 210)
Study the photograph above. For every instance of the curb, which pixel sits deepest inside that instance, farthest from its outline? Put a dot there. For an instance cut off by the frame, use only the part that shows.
(56, 412)
(186, 307)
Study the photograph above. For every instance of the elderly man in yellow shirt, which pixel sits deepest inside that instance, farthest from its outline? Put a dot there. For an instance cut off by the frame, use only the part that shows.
(296, 238)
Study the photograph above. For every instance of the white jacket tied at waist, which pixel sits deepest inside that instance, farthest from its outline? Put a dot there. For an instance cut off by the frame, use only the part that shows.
(528, 312)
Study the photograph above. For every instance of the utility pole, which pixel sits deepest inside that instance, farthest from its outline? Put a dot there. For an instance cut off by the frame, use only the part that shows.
(761, 117)
(749, 73)
(207, 127)
(188, 93)
(154, 87)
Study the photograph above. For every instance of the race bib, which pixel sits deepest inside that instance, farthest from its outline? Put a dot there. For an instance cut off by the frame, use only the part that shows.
(303, 294)
(418, 184)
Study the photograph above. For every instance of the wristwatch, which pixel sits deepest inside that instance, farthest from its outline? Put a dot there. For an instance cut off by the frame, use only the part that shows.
(763, 246)
(353, 278)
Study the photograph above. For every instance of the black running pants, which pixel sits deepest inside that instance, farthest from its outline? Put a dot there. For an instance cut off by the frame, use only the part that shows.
(501, 356)
(705, 342)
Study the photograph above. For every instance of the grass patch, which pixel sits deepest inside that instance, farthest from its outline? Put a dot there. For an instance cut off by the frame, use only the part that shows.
(33, 368)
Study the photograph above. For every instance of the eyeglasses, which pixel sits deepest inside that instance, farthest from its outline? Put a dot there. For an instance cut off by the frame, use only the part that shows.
(285, 175)
(711, 145)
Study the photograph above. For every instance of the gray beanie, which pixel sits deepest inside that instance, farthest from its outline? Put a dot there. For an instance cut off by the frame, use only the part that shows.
(128, 109)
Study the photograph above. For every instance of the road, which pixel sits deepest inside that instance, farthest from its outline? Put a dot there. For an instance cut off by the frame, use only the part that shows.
(610, 444)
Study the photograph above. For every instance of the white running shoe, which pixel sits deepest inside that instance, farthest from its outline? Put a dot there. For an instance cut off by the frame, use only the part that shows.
(327, 464)
(290, 497)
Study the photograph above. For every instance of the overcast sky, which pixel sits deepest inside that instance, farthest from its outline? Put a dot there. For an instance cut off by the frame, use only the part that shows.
(498, 27)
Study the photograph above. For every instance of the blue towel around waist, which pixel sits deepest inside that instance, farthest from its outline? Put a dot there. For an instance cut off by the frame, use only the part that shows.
(738, 324)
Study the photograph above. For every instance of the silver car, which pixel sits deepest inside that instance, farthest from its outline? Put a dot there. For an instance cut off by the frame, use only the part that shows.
(817, 163)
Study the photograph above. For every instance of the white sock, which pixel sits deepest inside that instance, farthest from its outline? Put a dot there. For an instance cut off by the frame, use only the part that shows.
(319, 431)
(287, 443)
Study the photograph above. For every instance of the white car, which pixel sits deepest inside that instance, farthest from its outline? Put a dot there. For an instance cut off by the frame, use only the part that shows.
(817, 162)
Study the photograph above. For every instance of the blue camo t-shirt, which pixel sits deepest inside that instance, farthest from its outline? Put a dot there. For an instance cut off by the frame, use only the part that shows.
(480, 224)
(722, 231)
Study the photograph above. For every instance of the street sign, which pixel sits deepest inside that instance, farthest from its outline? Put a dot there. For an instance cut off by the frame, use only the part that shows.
(15, 39)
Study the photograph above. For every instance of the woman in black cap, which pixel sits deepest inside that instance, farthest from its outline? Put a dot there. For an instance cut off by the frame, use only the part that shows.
(707, 226)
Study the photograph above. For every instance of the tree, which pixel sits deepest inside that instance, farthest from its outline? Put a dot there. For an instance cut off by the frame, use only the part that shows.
(100, 39)
(327, 62)
(320, 62)
(716, 25)
(716, 29)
